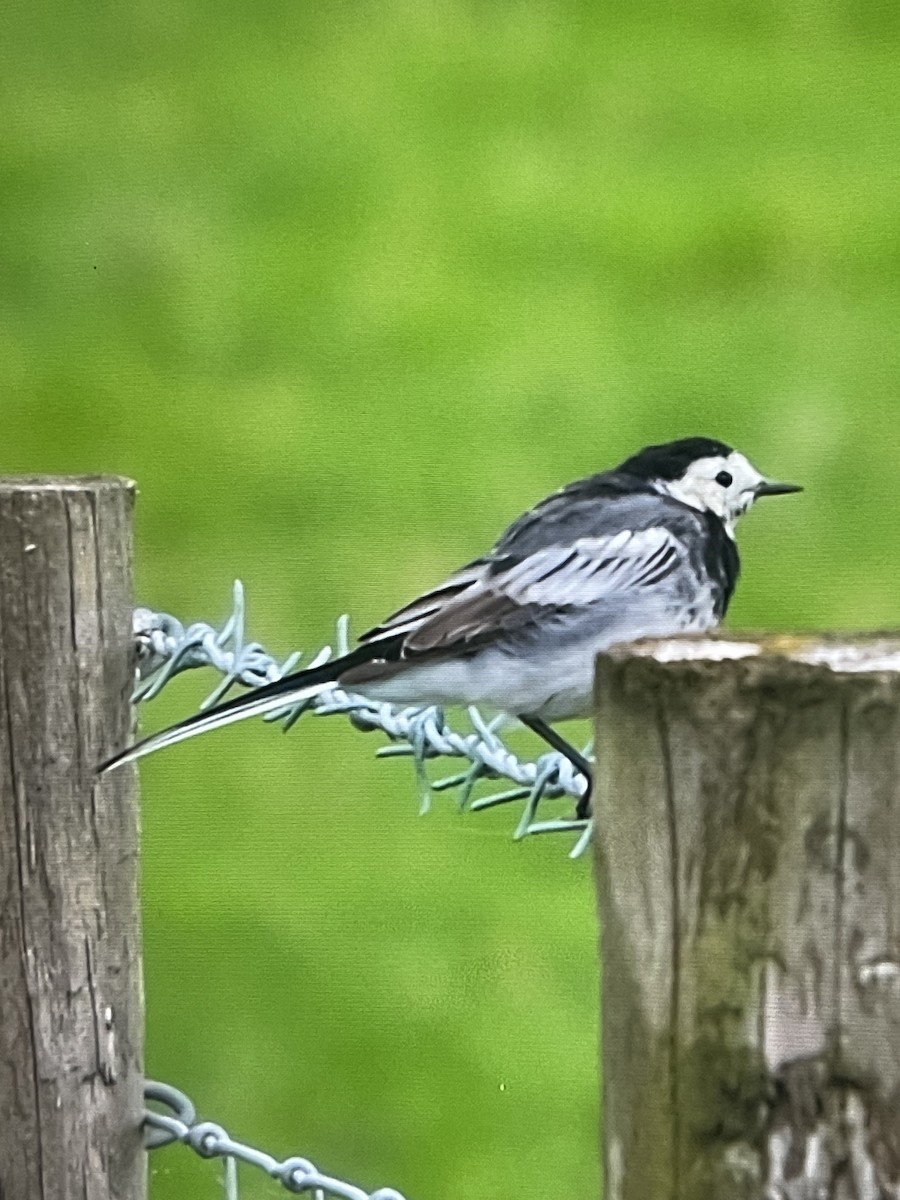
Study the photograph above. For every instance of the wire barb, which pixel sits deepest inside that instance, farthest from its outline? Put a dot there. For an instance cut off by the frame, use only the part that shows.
(165, 648)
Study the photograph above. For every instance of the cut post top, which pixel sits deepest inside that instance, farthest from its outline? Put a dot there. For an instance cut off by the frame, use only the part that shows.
(65, 483)
(842, 653)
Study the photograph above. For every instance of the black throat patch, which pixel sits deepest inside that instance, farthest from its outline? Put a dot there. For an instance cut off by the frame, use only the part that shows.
(721, 560)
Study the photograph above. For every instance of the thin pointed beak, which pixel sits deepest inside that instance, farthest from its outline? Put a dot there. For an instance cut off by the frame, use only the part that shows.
(769, 487)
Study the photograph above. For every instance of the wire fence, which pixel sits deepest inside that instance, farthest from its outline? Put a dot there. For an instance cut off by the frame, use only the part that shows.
(166, 647)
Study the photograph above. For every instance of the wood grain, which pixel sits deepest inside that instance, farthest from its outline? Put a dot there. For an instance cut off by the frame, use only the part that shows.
(748, 858)
(71, 1003)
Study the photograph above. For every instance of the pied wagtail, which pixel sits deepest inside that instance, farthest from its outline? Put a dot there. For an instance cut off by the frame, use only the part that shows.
(645, 550)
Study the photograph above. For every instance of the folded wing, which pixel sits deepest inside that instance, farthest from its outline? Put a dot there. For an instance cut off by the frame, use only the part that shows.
(504, 594)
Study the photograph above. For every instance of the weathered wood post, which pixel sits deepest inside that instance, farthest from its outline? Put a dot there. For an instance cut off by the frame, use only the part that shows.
(748, 852)
(71, 1011)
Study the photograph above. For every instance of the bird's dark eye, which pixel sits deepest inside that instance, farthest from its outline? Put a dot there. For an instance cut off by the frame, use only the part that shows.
(724, 478)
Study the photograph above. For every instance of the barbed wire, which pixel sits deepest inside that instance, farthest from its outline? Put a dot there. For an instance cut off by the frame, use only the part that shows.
(209, 1140)
(166, 647)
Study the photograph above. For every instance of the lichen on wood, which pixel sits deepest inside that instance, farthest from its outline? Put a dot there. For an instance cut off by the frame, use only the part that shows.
(748, 851)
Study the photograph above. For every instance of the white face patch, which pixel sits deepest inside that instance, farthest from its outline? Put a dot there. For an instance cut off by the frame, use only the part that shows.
(705, 486)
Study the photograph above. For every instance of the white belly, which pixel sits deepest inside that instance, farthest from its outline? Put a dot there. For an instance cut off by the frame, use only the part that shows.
(553, 679)
(552, 687)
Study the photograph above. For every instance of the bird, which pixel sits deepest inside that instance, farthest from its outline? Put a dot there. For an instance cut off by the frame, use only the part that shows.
(646, 549)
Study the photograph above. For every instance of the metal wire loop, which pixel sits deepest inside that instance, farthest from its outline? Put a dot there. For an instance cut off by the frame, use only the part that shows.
(209, 1140)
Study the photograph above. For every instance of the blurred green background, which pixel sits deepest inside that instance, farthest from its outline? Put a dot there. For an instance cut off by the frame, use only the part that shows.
(345, 287)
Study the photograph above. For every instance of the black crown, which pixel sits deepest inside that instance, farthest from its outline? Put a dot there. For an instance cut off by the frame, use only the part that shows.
(671, 460)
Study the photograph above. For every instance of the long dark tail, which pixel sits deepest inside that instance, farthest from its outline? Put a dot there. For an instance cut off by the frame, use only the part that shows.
(281, 694)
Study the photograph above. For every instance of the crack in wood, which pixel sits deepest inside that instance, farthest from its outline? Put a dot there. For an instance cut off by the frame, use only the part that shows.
(749, 883)
(71, 1002)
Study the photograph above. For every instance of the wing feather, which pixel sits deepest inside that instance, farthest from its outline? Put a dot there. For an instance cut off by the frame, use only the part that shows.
(593, 568)
(547, 581)
(429, 604)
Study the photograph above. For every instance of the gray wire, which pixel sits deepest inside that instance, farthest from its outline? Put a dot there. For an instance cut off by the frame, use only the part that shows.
(166, 647)
(209, 1140)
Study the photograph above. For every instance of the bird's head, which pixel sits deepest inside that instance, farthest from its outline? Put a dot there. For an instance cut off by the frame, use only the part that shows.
(707, 475)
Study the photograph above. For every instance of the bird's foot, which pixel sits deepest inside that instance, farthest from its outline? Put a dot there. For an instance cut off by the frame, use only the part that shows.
(584, 808)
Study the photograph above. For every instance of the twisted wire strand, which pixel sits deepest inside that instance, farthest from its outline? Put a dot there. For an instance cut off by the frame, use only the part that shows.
(297, 1175)
(166, 647)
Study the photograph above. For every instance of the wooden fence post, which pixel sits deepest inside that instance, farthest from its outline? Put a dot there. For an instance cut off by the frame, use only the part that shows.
(71, 1002)
(748, 853)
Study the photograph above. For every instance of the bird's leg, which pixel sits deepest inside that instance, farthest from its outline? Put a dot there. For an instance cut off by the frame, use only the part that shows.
(552, 738)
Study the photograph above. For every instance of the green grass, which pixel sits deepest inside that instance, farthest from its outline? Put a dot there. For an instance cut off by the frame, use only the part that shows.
(345, 287)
